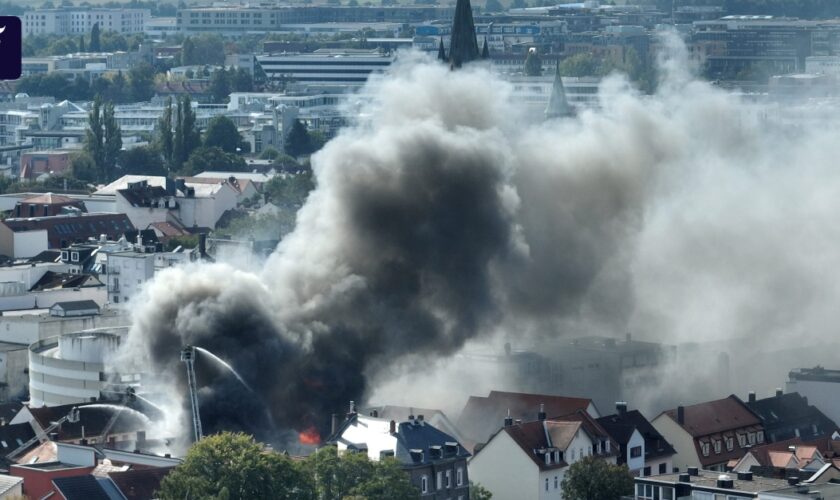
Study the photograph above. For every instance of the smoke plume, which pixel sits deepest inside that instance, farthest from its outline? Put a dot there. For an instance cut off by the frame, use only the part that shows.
(446, 215)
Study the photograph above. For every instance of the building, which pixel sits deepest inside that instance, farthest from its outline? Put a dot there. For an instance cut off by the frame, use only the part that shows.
(710, 434)
(75, 308)
(787, 416)
(346, 66)
(70, 368)
(706, 485)
(128, 271)
(528, 460)
(641, 447)
(45, 205)
(435, 462)
(36, 165)
(29, 236)
(820, 386)
(790, 458)
(80, 20)
(483, 416)
(10, 487)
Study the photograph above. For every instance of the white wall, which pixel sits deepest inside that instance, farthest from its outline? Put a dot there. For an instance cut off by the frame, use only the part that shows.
(141, 217)
(683, 443)
(505, 470)
(131, 272)
(634, 464)
(30, 243)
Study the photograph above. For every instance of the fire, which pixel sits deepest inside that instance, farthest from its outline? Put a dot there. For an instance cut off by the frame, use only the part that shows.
(310, 436)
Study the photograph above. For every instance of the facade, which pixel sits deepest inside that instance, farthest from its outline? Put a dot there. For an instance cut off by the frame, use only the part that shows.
(70, 368)
(820, 386)
(710, 434)
(435, 462)
(46, 205)
(324, 65)
(26, 237)
(641, 446)
(529, 460)
(74, 309)
(35, 164)
(78, 21)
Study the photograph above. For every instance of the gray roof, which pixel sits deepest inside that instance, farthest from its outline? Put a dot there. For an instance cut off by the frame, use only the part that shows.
(77, 305)
(8, 482)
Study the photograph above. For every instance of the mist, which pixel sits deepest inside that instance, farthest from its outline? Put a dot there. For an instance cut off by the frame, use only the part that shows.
(448, 218)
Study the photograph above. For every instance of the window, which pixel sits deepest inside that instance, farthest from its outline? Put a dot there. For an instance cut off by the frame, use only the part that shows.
(424, 484)
(751, 438)
(546, 484)
(548, 458)
(704, 448)
(635, 452)
(573, 454)
(742, 440)
(663, 468)
(760, 435)
(459, 476)
(717, 446)
(730, 443)
(646, 471)
(440, 480)
(449, 479)
(556, 482)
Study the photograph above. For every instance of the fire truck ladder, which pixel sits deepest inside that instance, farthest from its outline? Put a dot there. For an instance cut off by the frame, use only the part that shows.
(188, 357)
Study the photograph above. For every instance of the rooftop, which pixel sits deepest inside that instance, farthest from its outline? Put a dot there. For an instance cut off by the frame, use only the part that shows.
(816, 374)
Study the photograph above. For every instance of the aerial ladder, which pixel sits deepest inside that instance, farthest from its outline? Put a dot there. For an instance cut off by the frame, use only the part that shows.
(72, 417)
(188, 357)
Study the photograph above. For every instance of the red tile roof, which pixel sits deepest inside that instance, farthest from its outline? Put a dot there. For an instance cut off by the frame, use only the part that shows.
(716, 416)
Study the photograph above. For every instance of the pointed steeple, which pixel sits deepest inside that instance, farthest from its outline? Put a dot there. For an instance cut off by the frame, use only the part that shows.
(463, 46)
(558, 105)
(485, 51)
(441, 51)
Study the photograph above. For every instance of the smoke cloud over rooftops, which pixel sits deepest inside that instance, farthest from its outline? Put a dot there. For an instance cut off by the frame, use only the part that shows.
(446, 216)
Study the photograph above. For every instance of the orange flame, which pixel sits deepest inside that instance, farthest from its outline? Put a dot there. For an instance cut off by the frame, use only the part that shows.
(310, 436)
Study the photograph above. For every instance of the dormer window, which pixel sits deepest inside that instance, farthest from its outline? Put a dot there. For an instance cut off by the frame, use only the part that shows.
(548, 458)
(717, 446)
(74, 256)
(759, 436)
(704, 448)
(730, 443)
(751, 438)
(557, 456)
(65, 255)
(742, 440)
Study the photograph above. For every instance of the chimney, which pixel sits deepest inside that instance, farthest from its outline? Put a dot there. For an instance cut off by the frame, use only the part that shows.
(335, 423)
(621, 407)
(352, 411)
(541, 414)
(745, 476)
(751, 397)
(681, 414)
(724, 481)
(374, 414)
(167, 455)
(392, 427)
(684, 478)
(508, 419)
(693, 471)
(420, 418)
(83, 442)
(793, 480)
(779, 392)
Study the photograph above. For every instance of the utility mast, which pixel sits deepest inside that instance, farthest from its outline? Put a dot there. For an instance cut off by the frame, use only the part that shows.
(188, 357)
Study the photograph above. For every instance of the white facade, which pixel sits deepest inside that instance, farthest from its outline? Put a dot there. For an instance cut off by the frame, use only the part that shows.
(30, 328)
(682, 442)
(81, 20)
(70, 368)
(635, 452)
(127, 273)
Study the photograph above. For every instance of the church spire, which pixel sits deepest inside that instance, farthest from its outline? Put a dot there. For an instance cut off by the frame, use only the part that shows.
(441, 51)
(558, 105)
(463, 46)
(485, 51)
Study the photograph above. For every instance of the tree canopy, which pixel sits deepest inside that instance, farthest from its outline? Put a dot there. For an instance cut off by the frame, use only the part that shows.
(593, 478)
(222, 133)
(203, 159)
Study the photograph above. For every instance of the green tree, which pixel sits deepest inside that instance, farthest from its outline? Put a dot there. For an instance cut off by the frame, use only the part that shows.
(493, 6)
(213, 159)
(289, 190)
(142, 81)
(82, 43)
(269, 154)
(95, 42)
(187, 52)
(298, 142)
(113, 41)
(478, 492)
(165, 135)
(142, 160)
(387, 482)
(95, 137)
(533, 63)
(241, 80)
(593, 478)
(83, 167)
(220, 85)
(186, 137)
(112, 142)
(234, 467)
(222, 133)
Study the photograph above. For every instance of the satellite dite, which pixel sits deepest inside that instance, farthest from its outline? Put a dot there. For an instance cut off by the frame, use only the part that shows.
(10, 47)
